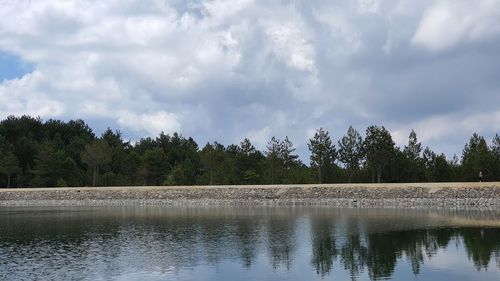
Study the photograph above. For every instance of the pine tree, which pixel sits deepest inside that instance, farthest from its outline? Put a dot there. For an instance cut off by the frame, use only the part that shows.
(350, 151)
(95, 155)
(495, 150)
(476, 157)
(247, 147)
(287, 154)
(251, 163)
(414, 148)
(272, 156)
(154, 166)
(322, 152)
(413, 152)
(212, 157)
(9, 165)
(379, 149)
(288, 158)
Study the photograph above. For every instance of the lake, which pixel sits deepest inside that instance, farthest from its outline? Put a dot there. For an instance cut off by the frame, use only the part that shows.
(248, 243)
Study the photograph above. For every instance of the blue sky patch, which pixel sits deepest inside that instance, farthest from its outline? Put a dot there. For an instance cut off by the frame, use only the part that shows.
(13, 66)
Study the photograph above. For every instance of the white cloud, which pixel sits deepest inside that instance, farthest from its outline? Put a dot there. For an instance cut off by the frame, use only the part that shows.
(152, 123)
(446, 23)
(290, 40)
(368, 6)
(22, 96)
(441, 128)
(222, 70)
(222, 10)
(261, 137)
(343, 33)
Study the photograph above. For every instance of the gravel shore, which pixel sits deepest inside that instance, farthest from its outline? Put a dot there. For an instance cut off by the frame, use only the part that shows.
(443, 195)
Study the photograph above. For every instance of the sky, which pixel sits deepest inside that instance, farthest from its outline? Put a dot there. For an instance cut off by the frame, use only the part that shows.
(224, 70)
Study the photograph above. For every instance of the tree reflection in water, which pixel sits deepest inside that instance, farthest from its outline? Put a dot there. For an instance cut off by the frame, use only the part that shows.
(247, 235)
(110, 242)
(353, 253)
(481, 245)
(281, 241)
(382, 251)
(324, 248)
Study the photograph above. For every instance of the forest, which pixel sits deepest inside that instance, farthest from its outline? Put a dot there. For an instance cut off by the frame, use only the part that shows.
(55, 153)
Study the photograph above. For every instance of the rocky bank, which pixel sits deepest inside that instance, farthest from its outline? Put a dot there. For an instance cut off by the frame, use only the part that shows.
(446, 195)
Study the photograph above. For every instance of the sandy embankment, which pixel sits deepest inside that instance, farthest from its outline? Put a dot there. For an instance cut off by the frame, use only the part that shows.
(448, 195)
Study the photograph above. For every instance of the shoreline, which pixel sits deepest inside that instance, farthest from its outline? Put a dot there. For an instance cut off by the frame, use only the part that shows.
(474, 195)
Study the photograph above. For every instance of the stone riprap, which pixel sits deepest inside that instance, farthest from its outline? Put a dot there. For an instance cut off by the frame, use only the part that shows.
(447, 195)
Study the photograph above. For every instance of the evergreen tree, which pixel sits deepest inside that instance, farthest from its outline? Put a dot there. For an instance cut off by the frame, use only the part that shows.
(9, 165)
(495, 146)
(273, 157)
(95, 155)
(154, 166)
(351, 152)
(208, 161)
(184, 173)
(476, 157)
(428, 158)
(53, 166)
(212, 157)
(412, 151)
(443, 171)
(414, 148)
(232, 173)
(119, 150)
(183, 157)
(322, 152)
(495, 150)
(379, 149)
(57, 153)
(400, 167)
(247, 147)
(289, 160)
(437, 168)
(251, 163)
(131, 169)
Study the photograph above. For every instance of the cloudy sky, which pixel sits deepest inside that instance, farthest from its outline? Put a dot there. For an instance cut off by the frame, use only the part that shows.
(228, 69)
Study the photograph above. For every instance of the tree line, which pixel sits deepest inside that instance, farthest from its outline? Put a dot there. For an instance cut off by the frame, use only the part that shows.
(37, 153)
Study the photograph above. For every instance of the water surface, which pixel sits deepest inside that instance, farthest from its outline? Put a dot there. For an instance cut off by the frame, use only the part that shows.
(167, 243)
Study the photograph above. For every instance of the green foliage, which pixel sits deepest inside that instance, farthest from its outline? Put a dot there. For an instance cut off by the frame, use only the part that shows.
(351, 152)
(95, 155)
(153, 166)
(272, 158)
(414, 148)
(9, 165)
(61, 183)
(281, 160)
(379, 150)
(212, 158)
(412, 163)
(437, 168)
(495, 146)
(495, 150)
(323, 152)
(14, 128)
(52, 165)
(57, 153)
(251, 163)
(477, 157)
